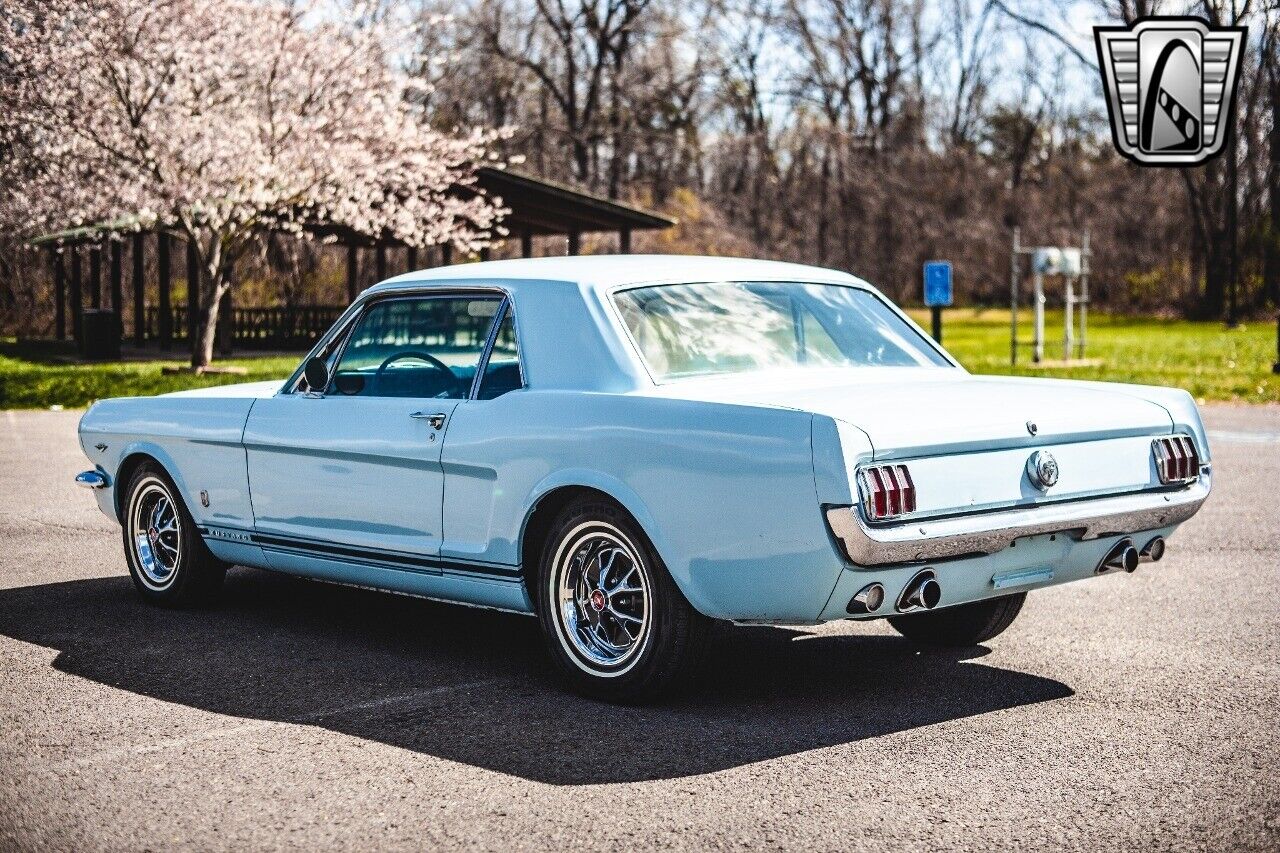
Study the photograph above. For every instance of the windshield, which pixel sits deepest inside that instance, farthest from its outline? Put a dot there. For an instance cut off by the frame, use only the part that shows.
(740, 326)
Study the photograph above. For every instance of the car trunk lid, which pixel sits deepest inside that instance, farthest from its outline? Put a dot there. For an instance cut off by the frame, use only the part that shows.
(967, 439)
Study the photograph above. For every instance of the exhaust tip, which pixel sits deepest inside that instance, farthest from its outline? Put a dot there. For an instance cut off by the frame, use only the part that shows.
(922, 592)
(930, 594)
(1152, 551)
(866, 600)
(1122, 556)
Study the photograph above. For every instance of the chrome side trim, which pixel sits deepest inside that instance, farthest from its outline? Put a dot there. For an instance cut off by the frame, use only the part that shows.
(991, 532)
(92, 480)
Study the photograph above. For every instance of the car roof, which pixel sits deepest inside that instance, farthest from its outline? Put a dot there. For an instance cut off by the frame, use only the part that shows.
(568, 339)
(610, 271)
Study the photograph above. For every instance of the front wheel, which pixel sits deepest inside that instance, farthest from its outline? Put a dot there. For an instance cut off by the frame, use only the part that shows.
(616, 624)
(963, 624)
(168, 560)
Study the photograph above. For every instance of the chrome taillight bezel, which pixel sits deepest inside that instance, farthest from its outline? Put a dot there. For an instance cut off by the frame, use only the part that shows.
(887, 492)
(1176, 459)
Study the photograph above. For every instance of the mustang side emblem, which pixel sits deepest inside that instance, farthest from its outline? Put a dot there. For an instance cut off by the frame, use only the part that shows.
(1042, 469)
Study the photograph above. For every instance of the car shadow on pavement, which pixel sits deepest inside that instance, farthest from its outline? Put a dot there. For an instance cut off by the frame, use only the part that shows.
(474, 687)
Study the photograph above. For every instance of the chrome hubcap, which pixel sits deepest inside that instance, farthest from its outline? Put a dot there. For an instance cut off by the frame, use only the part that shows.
(602, 588)
(154, 531)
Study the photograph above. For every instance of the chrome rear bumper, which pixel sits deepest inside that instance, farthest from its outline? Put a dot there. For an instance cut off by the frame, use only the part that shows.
(989, 532)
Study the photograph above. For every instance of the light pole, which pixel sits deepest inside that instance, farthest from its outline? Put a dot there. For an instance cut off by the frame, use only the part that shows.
(1275, 367)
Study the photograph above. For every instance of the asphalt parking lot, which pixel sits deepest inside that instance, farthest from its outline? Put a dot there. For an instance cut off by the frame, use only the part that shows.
(1129, 712)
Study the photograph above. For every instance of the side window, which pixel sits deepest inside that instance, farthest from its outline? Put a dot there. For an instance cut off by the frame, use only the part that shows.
(502, 372)
(416, 347)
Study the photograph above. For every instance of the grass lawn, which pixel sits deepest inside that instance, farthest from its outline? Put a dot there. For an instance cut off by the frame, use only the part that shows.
(1207, 359)
(39, 374)
(1204, 358)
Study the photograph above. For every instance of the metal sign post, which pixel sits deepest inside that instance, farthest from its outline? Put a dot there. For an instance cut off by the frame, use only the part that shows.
(1013, 297)
(937, 292)
(1072, 266)
(1037, 305)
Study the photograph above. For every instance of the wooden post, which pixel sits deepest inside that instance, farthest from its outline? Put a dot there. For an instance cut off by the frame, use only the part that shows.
(446, 254)
(59, 295)
(139, 290)
(575, 242)
(353, 271)
(411, 258)
(624, 241)
(95, 276)
(380, 261)
(165, 307)
(526, 243)
(193, 292)
(486, 254)
(117, 284)
(77, 293)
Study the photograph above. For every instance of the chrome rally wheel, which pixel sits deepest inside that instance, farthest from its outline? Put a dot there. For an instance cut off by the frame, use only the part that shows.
(616, 624)
(168, 560)
(154, 533)
(603, 600)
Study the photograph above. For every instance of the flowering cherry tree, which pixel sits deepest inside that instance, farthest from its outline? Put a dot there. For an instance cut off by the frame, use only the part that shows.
(216, 120)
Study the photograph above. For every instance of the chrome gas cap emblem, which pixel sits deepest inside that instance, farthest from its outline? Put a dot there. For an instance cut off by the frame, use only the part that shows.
(1032, 428)
(1042, 469)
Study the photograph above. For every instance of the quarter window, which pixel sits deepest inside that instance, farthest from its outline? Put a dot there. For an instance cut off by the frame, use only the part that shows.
(427, 347)
(502, 371)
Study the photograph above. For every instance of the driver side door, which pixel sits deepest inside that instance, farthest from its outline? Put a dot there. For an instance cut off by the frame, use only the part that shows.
(351, 473)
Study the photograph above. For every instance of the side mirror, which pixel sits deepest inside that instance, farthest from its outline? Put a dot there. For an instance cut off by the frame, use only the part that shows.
(316, 373)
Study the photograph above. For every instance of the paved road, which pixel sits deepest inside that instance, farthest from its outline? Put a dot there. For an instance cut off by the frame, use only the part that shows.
(1131, 712)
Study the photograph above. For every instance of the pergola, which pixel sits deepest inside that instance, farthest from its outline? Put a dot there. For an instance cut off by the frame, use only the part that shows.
(538, 209)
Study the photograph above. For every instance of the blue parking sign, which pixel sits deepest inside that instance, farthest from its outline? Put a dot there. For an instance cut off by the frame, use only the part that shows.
(937, 284)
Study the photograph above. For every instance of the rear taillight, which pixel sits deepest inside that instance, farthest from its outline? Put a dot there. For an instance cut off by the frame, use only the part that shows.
(887, 491)
(1176, 459)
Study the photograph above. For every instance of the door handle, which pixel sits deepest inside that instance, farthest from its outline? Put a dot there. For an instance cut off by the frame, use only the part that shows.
(436, 420)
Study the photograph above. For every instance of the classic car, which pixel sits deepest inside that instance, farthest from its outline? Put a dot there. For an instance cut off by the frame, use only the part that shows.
(630, 448)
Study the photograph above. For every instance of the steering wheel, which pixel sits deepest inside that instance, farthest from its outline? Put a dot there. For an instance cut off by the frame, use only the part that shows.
(430, 359)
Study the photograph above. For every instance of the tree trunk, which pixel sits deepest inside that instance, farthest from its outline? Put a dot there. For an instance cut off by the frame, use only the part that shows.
(1215, 276)
(581, 161)
(1271, 257)
(1232, 237)
(207, 325)
(215, 281)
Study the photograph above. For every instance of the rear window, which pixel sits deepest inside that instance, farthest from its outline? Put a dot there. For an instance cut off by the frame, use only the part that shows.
(735, 327)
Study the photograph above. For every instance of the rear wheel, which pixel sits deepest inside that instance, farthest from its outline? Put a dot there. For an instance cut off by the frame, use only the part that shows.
(168, 560)
(962, 625)
(616, 624)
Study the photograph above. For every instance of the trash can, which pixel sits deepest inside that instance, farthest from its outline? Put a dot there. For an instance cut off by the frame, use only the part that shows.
(99, 335)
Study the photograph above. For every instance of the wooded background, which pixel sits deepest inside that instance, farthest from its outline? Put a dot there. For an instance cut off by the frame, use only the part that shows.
(867, 135)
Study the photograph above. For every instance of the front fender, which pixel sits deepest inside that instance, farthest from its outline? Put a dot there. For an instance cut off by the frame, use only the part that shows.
(198, 441)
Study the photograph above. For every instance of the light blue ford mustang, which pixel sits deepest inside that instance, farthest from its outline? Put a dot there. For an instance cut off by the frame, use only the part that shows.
(632, 447)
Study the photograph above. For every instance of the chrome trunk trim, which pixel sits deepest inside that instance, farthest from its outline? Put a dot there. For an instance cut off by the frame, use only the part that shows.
(991, 532)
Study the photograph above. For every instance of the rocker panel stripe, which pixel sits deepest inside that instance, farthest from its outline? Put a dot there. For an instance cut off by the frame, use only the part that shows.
(393, 559)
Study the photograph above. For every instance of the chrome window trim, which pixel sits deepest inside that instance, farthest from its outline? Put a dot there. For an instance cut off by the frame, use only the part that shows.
(477, 383)
(345, 323)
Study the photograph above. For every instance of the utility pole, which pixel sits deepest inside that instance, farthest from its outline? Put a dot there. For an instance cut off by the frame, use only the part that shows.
(1275, 368)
